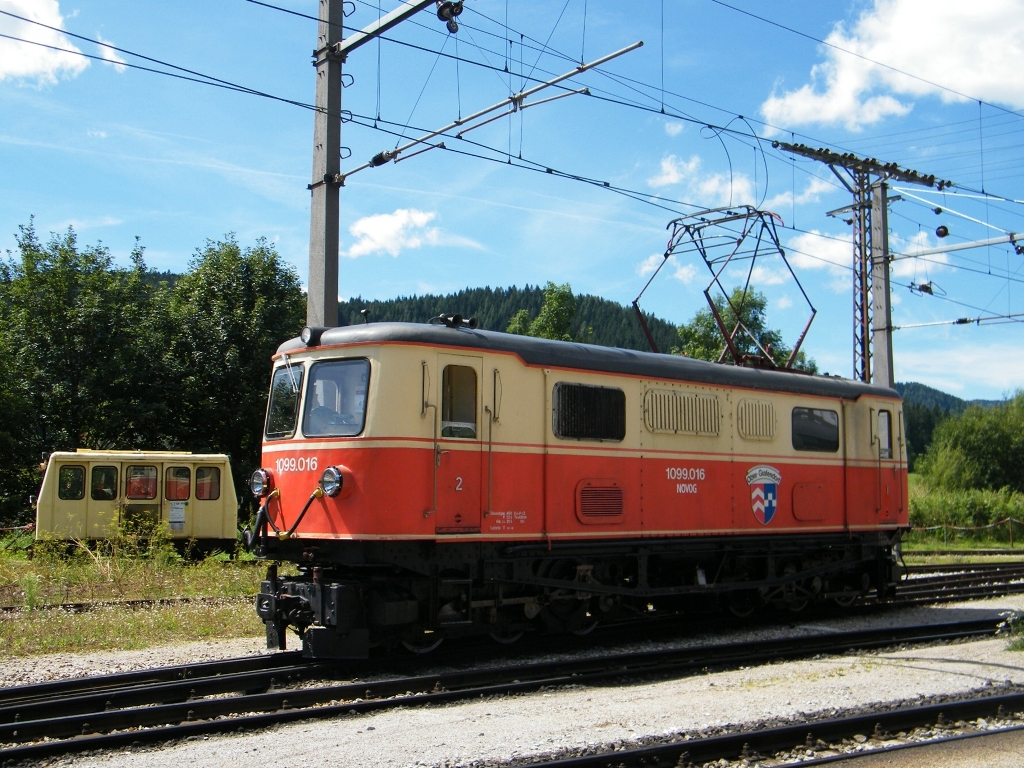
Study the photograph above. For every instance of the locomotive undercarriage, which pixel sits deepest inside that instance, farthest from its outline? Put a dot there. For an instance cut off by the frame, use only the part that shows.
(350, 596)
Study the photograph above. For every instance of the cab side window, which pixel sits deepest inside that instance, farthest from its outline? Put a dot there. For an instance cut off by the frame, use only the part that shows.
(884, 435)
(458, 402)
(815, 429)
(176, 483)
(283, 409)
(104, 483)
(208, 483)
(71, 483)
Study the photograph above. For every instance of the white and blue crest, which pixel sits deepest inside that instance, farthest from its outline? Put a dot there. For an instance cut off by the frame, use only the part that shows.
(764, 482)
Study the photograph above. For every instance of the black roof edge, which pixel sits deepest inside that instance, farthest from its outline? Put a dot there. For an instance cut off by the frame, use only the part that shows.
(546, 353)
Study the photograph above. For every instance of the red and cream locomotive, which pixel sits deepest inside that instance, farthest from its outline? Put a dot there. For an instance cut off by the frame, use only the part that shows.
(437, 480)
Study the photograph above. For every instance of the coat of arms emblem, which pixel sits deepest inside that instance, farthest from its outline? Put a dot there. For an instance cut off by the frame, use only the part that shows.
(764, 484)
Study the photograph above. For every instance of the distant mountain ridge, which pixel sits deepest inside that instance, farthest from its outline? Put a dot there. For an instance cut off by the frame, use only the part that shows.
(614, 325)
(929, 397)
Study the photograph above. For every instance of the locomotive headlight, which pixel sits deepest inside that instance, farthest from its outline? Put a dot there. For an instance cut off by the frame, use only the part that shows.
(331, 481)
(259, 482)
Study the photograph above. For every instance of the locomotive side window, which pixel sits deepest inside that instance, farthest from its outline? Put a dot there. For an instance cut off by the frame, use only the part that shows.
(336, 398)
(582, 412)
(71, 483)
(884, 435)
(283, 411)
(140, 482)
(104, 483)
(458, 401)
(176, 483)
(815, 430)
(207, 483)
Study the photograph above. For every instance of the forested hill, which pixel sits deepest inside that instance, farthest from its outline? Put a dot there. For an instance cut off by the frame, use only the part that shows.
(614, 325)
(921, 394)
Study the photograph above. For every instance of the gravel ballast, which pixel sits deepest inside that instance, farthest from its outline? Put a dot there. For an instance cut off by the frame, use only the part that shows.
(516, 728)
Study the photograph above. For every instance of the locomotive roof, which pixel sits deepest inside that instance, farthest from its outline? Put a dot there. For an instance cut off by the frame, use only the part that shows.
(589, 357)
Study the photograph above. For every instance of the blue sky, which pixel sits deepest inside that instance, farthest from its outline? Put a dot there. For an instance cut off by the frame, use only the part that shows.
(118, 153)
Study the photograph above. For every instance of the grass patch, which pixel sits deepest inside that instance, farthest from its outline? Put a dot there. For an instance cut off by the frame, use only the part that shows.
(1016, 624)
(26, 633)
(130, 566)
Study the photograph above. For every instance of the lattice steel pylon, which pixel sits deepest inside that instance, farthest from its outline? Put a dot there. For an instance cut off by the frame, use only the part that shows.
(865, 179)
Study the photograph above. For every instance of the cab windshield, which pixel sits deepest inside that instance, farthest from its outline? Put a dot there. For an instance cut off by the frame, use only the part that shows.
(336, 398)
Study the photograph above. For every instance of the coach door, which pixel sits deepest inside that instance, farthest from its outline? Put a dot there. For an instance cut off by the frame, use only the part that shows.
(459, 445)
(103, 496)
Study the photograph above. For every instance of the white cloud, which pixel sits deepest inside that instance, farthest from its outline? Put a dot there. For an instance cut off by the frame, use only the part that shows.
(713, 190)
(916, 268)
(816, 186)
(33, 62)
(784, 302)
(762, 275)
(109, 54)
(673, 129)
(395, 232)
(684, 273)
(674, 170)
(651, 263)
(96, 134)
(813, 250)
(973, 48)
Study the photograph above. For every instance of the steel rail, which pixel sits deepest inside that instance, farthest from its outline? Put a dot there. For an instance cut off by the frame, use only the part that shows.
(215, 715)
(747, 744)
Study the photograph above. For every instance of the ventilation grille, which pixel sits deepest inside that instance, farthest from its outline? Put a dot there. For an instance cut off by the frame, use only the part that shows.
(755, 420)
(675, 412)
(599, 501)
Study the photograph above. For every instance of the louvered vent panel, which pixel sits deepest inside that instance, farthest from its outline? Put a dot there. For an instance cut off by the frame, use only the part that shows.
(600, 502)
(755, 420)
(676, 412)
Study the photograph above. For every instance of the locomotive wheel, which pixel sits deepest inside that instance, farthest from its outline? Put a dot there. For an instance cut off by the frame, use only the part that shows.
(793, 603)
(589, 625)
(743, 604)
(846, 600)
(505, 637)
(423, 644)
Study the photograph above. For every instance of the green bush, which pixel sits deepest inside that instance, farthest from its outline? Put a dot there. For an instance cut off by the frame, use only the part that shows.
(982, 448)
(966, 509)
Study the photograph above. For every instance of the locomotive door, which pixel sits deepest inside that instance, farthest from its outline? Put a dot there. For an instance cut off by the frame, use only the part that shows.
(886, 453)
(460, 445)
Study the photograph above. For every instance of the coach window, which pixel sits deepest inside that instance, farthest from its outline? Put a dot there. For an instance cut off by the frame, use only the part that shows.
(283, 410)
(207, 483)
(176, 483)
(815, 430)
(336, 398)
(582, 412)
(71, 483)
(104, 483)
(884, 435)
(458, 401)
(140, 482)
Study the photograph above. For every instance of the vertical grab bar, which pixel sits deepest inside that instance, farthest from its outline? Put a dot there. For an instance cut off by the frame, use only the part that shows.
(436, 455)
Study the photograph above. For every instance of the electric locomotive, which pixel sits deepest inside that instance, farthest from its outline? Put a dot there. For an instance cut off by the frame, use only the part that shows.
(426, 481)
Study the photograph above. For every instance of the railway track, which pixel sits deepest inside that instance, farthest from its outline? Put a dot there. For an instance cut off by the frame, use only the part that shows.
(168, 703)
(823, 741)
(138, 711)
